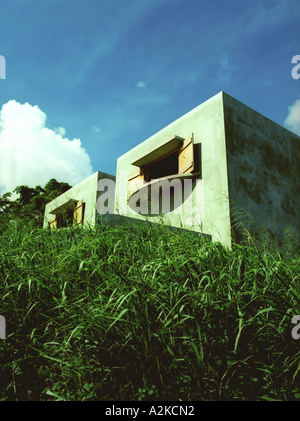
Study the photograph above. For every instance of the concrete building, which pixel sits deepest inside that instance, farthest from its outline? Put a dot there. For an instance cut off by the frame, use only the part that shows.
(217, 169)
(77, 205)
(226, 162)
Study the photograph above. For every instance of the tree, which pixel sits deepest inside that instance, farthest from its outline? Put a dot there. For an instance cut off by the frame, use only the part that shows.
(30, 205)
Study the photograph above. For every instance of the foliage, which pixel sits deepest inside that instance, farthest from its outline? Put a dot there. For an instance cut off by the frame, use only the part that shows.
(143, 313)
(30, 203)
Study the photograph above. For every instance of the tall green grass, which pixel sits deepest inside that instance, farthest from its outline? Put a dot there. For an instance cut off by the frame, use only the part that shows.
(143, 313)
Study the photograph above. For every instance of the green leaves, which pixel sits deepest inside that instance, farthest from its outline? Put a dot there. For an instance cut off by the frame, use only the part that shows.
(30, 204)
(141, 313)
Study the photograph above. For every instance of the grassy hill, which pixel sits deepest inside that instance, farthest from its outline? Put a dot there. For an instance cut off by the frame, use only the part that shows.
(143, 313)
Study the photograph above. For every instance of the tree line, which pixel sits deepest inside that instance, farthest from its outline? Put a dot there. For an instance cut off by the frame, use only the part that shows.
(29, 205)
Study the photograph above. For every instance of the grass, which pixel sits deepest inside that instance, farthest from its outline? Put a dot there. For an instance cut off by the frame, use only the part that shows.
(143, 313)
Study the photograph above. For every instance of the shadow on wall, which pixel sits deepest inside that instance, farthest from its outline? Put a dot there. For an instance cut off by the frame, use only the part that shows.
(160, 197)
(115, 220)
(244, 227)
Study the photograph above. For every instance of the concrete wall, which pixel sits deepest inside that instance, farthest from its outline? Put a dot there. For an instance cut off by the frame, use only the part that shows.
(210, 196)
(263, 169)
(249, 166)
(86, 190)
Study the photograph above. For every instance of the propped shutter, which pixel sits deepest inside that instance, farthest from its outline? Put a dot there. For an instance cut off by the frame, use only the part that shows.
(186, 156)
(135, 181)
(53, 222)
(78, 213)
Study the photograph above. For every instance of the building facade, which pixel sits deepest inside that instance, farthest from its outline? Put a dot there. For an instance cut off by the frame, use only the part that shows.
(227, 168)
(221, 169)
(78, 205)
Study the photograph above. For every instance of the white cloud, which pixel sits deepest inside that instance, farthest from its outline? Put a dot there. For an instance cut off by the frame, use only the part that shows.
(292, 122)
(61, 131)
(31, 154)
(141, 84)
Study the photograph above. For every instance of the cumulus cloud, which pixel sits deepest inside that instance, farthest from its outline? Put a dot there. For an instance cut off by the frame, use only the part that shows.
(292, 122)
(31, 154)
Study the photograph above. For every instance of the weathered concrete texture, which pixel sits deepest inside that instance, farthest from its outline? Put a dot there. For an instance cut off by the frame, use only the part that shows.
(242, 164)
(263, 161)
(210, 207)
(247, 165)
(87, 191)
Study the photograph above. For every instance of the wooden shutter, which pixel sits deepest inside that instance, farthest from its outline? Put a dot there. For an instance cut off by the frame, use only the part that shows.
(53, 222)
(186, 156)
(135, 181)
(78, 213)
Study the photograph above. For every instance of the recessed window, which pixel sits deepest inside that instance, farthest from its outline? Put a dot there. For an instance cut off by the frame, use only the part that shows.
(66, 219)
(162, 167)
(174, 157)
(68, 214)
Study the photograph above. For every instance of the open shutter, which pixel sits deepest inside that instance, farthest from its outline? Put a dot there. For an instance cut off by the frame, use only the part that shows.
(135, 181)
(186, 156)
(53, 222)
(78, 213)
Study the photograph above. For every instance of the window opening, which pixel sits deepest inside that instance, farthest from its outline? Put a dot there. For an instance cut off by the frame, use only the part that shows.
(163, 167)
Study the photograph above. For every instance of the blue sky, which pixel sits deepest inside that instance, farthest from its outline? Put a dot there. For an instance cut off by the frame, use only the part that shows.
(113, 72)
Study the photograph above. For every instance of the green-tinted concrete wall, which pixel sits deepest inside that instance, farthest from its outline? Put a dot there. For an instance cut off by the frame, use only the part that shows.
(210, 197)
(263, 162)
(87, 191)
(249, 166)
